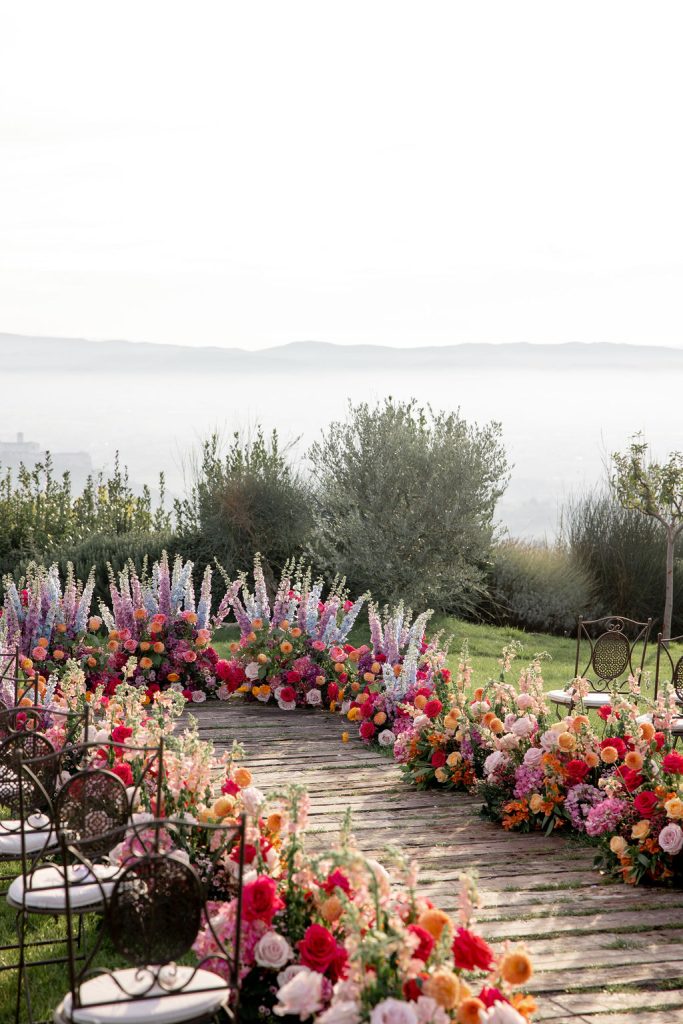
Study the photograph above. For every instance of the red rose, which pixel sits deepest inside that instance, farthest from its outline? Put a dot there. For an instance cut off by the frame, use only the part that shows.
(367, 710)
(438, 759)
(287, 694)
(660, 739)
(120, 733)
(632, 780)
(332, 691)
(367, 730)
(123, 770)
(605, 711)
(260, 901)
(339, 967)
(293, 677)
(470, 952)
(645, 803)
(318, 948)
(673, 763)
(230, 787)
(576, 771)
(230, 672)
(336, 880)
(489, 996)
(412, 990)
(249, 853)
(427, 942)
(432, 708)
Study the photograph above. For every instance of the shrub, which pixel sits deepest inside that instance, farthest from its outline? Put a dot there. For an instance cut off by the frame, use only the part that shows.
(405, 500)
(622, 552)
(537, 587)
(249, 499)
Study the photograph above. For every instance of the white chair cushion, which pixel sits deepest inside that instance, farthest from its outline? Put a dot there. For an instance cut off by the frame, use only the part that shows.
(38, 835)
(591, 700)
(170, 1009)
(45, 891)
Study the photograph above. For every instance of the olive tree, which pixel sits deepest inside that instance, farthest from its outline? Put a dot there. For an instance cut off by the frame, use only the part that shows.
(405, 499)
(656, 490)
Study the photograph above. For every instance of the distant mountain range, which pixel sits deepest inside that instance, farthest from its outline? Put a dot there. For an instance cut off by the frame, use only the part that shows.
(20, 354)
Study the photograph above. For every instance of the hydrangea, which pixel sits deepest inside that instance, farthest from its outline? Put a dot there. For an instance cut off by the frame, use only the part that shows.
(605, 816)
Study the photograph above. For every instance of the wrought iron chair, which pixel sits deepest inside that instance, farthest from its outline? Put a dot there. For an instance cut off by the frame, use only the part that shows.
(669, 668)
(612, 644)
(93, 806)
(9, 674)
(153, 914)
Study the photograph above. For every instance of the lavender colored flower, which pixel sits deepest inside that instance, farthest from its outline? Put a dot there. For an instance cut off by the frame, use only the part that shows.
(528, 780)
(581, 799)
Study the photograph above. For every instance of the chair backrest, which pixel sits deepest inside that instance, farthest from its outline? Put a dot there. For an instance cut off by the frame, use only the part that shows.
(20, 794)
(154, 910)
(669, 664)
(9, 674)
(609, 650)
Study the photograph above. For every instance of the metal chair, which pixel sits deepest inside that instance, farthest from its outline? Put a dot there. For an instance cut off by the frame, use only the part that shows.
(669, 667)
(152, 917)
(611, 643)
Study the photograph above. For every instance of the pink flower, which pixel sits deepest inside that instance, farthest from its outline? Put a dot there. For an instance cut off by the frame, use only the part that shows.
(671, 838)
(198, 696)
(393, 1011)
(301, 996)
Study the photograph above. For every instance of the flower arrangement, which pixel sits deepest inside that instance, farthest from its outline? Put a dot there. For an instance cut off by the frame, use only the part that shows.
(296, 653)
(156, 627)
(334, 938)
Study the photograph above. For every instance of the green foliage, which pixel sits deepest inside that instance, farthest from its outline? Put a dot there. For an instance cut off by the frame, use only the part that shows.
(248, 499)
(622, 553)
(537, 587)
(405, 500)
(41, 519)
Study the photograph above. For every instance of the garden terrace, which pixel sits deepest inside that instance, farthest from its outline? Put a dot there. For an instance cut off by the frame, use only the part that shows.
(604, 952)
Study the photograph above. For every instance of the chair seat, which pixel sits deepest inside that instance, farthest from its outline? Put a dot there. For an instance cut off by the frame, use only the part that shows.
(591, 700)
(676, 725)
(38, 835)
(45, 892)
(114, 1007)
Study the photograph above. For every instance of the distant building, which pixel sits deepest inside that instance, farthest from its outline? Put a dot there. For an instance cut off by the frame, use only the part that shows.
(15, 453)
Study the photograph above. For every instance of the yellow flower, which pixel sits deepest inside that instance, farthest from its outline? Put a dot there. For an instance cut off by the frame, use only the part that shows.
(454, 759)
(674, 808)
(641, 830)
(345, 737)
(353, 714)
(516, 968)
(443, 986)
(536, 803)
(618, 845)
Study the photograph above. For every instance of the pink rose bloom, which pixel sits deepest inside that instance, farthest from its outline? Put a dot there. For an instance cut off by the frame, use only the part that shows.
(533, 756)
(130, 645)
(318, 645)
(338, 654)
(524, 701)
(189, 657)
(198, 696)
(39, 654)
(393, 1011)
(523, 727)
(671, 838)
(302, 996)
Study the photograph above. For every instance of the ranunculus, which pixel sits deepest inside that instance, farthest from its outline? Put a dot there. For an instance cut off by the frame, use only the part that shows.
(438, 759)
(301, 996)
(426, 942)
(318, 948)
(673, 763)
(393, 1011)
(605, 711)
(471, 952)
(272, 950)
(293, 677)
(671, 838)
(645, 803)
(260, 901)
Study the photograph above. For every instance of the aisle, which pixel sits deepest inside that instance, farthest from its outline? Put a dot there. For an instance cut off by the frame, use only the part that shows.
(543, 891)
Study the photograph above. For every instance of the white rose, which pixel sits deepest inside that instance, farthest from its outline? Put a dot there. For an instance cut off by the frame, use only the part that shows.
(286, 705)
(494, 761)
(386, 738)
(421, 722)
(344, 1012)
(272, 950)
(252, 670)
(501, 1013)
(301, 996)
(393, 1011)
(429, 1011)
(671, 838)
(252, 799)
(314, 698)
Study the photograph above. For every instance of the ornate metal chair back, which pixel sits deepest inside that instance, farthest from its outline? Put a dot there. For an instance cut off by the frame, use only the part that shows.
(609, 650)
(669, 665)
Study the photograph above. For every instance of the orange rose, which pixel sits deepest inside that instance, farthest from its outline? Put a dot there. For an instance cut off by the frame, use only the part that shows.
(243, 777)
(173, 677)
(566, 741)
(146, 663)
(159, 647)
(647, 731)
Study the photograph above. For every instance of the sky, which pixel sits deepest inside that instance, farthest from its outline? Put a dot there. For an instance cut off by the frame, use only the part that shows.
(252, 174)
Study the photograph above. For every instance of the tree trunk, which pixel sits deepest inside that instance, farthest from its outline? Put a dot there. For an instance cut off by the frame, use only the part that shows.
(669, 599)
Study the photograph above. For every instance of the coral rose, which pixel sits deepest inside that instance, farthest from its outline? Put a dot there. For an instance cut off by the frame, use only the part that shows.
(516, 968)
(434, 921)
(443, 986)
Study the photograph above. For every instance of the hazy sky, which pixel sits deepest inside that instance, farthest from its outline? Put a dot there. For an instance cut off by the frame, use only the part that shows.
(247, 173)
